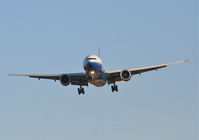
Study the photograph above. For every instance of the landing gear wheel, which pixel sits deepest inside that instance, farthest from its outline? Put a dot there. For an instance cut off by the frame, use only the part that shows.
(81, 91)
(114, 88)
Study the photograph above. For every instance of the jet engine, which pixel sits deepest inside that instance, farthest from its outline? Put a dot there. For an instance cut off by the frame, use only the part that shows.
(125, 75)
(65, 80)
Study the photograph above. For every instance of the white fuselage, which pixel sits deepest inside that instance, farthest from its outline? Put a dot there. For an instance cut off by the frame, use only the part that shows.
(94, 70)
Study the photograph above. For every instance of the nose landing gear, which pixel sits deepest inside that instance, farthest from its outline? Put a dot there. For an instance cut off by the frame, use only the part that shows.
(114, 88)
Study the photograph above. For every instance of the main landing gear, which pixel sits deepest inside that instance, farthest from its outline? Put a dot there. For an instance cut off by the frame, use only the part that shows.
(114, 88)
(81, 90)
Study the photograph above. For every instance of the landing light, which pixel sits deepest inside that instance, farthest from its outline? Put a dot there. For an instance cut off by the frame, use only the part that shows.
(92, 72)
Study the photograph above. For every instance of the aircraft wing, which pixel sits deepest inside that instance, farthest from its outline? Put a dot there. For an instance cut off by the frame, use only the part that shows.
(76, 78)
(39, 76)
(114, 76)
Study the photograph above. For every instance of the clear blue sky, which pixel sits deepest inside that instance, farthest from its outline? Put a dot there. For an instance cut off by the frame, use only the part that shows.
(45, 36)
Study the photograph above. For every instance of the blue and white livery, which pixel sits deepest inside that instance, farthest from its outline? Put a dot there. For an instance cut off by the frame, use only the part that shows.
(96, 75)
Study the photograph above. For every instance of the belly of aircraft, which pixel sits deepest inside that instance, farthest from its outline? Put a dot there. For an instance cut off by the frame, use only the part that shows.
(98, 82)
(97, 78)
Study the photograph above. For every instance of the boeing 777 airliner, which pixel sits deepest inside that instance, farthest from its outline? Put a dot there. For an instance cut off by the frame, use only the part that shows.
(96, 75)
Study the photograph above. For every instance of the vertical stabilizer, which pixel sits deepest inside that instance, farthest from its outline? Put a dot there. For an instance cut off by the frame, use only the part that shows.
(99, 52)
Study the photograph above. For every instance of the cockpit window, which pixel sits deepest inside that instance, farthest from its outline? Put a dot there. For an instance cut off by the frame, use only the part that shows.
(91, 59)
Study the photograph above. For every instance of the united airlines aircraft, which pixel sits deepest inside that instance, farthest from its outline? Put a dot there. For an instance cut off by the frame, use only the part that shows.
(96, 75)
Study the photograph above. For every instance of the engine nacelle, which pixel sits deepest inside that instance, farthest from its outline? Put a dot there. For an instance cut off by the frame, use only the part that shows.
(65, 80)
(125, 75)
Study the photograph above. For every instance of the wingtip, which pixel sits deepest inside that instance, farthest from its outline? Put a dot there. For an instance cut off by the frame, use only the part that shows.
(11, 74)
(186, 60)
(15, 74)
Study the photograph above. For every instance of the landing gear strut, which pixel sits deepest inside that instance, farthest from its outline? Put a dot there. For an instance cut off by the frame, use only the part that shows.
(114, 88)
(81, 90)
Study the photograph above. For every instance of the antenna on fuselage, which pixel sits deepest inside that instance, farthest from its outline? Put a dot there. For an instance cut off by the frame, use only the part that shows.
(99, 52)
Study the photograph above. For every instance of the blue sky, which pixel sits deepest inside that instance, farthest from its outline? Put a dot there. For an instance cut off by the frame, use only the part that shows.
(45, 36)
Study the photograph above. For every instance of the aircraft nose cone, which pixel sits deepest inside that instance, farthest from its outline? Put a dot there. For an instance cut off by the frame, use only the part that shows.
(93, 74)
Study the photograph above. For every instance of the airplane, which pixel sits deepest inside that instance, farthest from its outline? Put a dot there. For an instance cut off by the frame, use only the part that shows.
(96, 75)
